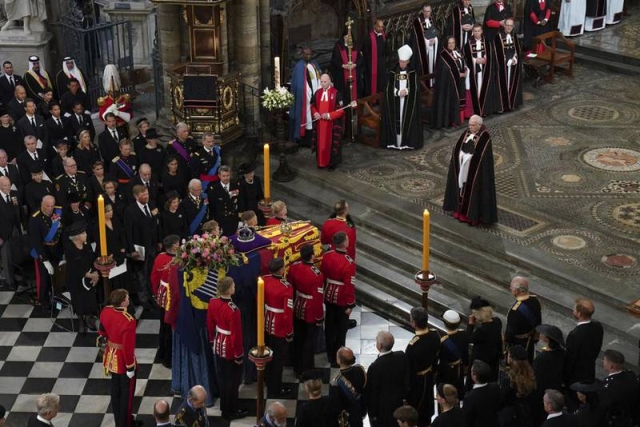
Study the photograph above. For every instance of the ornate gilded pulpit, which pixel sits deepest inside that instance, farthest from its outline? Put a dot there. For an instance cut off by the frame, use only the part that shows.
(202, 95)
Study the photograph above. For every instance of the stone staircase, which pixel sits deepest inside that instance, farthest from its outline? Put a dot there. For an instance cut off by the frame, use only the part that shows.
(467, 261)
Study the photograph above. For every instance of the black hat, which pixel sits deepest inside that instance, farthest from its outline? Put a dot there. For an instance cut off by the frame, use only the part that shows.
(152, 133)
(246, 168)
(517, 352)
(73, 198)
(479, 302)
(313, 374)
(553, 332)
(3, 112)
(76, 228)
(141, 120)
(35, 168)
(171, 195)
(61, 141)
(585, 387)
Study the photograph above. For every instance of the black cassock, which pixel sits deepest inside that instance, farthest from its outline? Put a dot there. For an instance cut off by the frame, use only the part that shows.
(372, 45)
(79, 263)
(539, 11)
(492, 16)
(509, 81)
(484, 93)
(449, 95)
(459, 17)
(410, 124)
(596, 8)
(476, 201)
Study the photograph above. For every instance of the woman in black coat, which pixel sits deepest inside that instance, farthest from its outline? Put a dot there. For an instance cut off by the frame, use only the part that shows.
(172, 219)
(174, 179)
(115, 199)
(81, 277)
(589, 413)
(116, 245)
(485, 334)
(251, 192)
(86, 154)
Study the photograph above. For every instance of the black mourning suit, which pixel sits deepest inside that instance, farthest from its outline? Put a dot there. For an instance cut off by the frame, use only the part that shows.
(7, 89)
(387, 386)
(481, 406)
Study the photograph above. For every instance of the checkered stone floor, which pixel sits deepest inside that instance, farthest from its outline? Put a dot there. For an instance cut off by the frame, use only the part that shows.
(37, 357)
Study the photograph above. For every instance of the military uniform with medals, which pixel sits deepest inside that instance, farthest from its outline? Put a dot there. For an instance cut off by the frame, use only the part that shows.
(65, 185)
(522, 319)
(422, 353)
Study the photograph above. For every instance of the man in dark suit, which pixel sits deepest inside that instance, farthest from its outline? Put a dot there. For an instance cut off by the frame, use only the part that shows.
(619, 399)
(15, 105)
(275, 416)
(58, 126)
(8, 82)
(80, 120)
(108, 141)
(11, 171)
(73, 95)
(145, 178)
(223, 202)
(584, 343)
(387, 382)
(482, 402)
(141, 228)
(30, 157)
(553, 404)
(48, 405)
(33, 124)
(9, 226)
(162, 413)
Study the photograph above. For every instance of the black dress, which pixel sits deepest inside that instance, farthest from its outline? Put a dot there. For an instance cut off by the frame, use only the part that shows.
(154, 157)
(249, 197)
(85, 159)
(486, 339)
(79, 263)
(174, 223)
(176, 182)
(454, 417)
(11, 142)
(119, 205)
(116, 241)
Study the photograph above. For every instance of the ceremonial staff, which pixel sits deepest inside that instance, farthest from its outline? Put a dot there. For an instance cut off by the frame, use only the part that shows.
(349, 23)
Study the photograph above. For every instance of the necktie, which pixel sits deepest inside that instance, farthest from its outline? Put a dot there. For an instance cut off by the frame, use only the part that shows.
(5, 171)
(33, 122)
(8, 200)
(226, 188)
(115, 135)
(35, 155)
(13, 84)
(146, 211)
(58, 122)
(79, 119)
(146, 184)
(73, 178)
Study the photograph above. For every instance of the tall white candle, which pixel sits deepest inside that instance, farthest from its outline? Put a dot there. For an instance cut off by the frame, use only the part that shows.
(276, 71)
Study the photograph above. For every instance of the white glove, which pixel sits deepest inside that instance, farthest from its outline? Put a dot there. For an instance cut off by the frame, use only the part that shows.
(124, 116)
(509, 63)
(131, 374)
(49, 267)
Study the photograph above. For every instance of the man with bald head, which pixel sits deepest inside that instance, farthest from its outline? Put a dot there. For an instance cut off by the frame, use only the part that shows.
(583, 345)
(275, 416)
(145, 177)
(45, 229)
(162, 413)
(471, 189)
(327, 126)
(387, 382)
(16, 104)
(9, 226)
(192, 412)
(523, 317)
(347, 388)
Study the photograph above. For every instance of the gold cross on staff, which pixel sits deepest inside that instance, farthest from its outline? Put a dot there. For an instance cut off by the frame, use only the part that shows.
(349, 22)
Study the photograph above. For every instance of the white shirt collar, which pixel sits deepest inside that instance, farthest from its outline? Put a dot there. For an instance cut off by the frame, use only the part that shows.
(554, 415)
(141, 206)
(4, 196)
(382, 353)
(584, 322)
(479, 385)
(43, 420)
(614, 373)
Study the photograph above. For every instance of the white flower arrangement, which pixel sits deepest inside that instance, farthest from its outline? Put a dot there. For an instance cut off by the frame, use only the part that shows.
(277, 99)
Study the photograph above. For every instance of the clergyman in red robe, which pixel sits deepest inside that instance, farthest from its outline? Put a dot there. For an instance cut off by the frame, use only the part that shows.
(327, 112)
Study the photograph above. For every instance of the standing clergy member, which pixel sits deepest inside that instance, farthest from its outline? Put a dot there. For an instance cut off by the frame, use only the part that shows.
(449, 95)
(305, 81)
(373, 75)
(535, 22)
(596, 15)
(36, 79)
(494, 18)
(460, 23)
(470, 193)
(614, 11)
(327, 134)
(118, 332)
(225, 333)
(401, 118)
(308, 282)
(340, 68)
(509, 67)
(340, 294)
(69, 71)
(571, 17)
(482, 96)
(524, 316)
(424, 42)
(278, 314)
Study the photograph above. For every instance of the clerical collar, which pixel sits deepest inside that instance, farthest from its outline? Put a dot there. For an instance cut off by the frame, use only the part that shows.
(377, 33)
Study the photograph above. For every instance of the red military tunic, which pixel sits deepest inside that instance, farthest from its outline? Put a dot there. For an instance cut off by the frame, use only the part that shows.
(278, 306)
(339, 271)
(225, 328)
(125, 106)
(324, 127)
(334, 225)
(119, 327)
(308, 282)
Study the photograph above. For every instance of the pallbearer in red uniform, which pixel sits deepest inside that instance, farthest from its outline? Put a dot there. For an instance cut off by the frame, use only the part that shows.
(308, 282)
(278, 322)
(340, 221)
(225, 333)
(115, 102)
(327, 128)
(339, 271)
(118, 329)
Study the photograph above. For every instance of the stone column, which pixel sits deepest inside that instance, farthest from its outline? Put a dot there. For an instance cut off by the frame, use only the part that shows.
(265, 44)
(247, 47)
(169, 23)
(224, 39)
(142, 27)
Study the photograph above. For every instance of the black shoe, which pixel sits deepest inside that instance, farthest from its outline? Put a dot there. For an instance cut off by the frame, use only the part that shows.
(138, 423)
(332, 168)
(352, 323)
(240, 413)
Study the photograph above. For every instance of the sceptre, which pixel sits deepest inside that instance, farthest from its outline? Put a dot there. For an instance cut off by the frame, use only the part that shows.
(349, 23)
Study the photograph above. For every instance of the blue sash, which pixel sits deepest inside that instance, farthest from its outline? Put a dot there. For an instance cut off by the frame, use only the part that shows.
(55, 226)
(198, 219)
(214, 168)
(528, 314)
(125, 168)
(452, 349)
